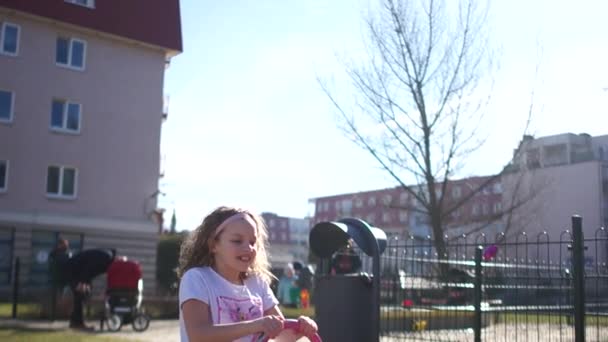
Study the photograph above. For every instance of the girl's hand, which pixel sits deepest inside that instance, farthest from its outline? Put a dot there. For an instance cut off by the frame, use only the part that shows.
(308, 327)
(271, 325)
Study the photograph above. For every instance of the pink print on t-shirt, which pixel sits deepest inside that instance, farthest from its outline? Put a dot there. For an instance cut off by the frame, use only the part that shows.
(232, 310)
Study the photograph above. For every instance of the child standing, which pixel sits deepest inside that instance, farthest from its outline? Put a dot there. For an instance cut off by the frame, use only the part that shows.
(286, 285)
(224, 292)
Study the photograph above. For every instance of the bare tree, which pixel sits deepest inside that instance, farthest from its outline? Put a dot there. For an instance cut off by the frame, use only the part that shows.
(417, 105)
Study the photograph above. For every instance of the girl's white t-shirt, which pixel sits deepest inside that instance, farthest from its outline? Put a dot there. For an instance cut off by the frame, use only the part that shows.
(229, 303)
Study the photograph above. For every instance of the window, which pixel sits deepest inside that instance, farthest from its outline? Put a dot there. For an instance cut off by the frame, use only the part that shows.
(358, 202)
(387, 199)
(475, 210)
(61, 181)
(386, 217)
(497, 188)
(403, 198)
(7, 101)
(3, 175)
(371, 202)
(85, 3)
(403, 216)
(347, 205)
(65, 116)
(498, 208)
(456, 192)
(71, 53)
(9, 39)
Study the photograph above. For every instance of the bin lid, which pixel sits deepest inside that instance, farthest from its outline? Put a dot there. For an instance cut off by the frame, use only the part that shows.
(328, 237)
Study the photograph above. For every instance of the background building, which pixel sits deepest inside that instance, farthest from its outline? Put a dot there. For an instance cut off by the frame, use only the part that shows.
(564, 175)
(552, 177)
(81, 108)
(400, 215)
(288, 239)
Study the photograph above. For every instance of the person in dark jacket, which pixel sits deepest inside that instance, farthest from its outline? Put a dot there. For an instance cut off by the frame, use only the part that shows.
(83, 268)
(58, 264)
(346, 260)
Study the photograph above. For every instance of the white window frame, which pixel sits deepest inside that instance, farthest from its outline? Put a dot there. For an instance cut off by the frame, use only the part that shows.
(402, 216)
(2, 27)
(386, 217)
(456, 193)
(69, 65)
(387, 199)
(89, 4)
(4, 187)
(60, 195)
(371, 201)
(11, 114)
(403, 198)
(64, 121)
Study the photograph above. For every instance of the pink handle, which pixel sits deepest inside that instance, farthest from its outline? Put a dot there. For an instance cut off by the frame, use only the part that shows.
(293, 324)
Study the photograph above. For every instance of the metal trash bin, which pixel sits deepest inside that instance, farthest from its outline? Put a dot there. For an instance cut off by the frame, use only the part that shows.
(347, 306)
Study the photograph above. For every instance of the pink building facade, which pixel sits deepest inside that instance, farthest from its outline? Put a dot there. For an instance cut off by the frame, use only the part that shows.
(81, 109)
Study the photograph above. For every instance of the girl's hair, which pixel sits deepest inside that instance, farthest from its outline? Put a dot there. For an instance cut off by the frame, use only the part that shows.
(196, 248)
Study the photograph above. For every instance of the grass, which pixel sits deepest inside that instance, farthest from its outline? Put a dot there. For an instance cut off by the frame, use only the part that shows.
(297, 312)
(34, 310)
(24, 335)
(590, 320)
(24, 310)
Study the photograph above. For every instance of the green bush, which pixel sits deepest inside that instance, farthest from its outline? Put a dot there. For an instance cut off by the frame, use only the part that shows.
(167, 259)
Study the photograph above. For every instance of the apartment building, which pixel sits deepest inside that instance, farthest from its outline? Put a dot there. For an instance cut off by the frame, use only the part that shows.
(563, 175)
(288, 239)
(549, 179)
(81, 109)
(400, 215)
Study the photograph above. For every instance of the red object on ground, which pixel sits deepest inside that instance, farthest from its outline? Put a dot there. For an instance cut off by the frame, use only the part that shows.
(124, 274)
(304, 298)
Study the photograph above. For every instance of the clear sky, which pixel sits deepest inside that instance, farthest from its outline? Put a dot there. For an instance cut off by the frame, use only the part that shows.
(248, 124)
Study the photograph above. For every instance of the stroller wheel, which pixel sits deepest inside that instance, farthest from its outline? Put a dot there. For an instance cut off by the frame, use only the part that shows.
(141, 322)
(113, 322)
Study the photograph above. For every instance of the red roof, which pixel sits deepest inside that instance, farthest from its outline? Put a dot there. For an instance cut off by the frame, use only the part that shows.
(155, 22)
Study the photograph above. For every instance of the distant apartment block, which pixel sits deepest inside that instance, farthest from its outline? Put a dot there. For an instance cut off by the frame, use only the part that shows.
(554, 177)
(566, 174)
(400, 215)
(81, 109)
(288, 239)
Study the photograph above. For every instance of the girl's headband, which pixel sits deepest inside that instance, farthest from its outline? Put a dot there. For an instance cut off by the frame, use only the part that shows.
(236, 217)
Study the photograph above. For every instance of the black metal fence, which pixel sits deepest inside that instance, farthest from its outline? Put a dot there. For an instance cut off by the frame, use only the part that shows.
(499, 288)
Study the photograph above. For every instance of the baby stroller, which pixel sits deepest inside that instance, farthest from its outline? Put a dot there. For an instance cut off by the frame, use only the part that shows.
(124, 296)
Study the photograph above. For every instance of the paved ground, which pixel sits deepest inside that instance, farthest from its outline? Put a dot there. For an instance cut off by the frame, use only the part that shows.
(159, 330)
(168, 331)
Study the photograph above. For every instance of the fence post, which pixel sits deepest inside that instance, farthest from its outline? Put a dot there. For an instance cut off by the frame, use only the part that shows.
(578, 270)
(16, 287)
(477, 294)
